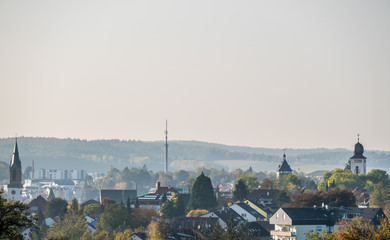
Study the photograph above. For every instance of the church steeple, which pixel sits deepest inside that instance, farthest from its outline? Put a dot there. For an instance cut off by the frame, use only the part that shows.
(15, 169)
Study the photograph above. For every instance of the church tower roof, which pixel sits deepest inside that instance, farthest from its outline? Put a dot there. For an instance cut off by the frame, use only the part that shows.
(284, 167)
(358, 151)
(15, 161)
(15, 169)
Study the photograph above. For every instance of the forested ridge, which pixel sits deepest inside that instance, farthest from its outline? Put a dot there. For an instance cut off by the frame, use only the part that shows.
(99, 155)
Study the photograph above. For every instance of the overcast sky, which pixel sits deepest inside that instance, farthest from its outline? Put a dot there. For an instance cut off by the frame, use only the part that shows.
(282, 74)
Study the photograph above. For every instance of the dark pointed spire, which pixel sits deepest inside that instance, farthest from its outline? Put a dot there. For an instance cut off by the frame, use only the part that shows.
(15, 157)
(15, 169)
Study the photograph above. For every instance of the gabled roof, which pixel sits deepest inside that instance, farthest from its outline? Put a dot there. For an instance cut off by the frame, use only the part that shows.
(250, 210)
(194, 222)
(257, 230)
(262, 194)
(312, 216)
(308, 216)
(261, 206)
(227, 213)
(266, 225)
(38, 202)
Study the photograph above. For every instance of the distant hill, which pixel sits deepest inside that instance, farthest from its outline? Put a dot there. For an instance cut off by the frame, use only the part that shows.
(99, 155)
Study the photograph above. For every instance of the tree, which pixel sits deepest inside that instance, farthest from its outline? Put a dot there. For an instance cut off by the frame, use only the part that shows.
(307, 199)
(218, 233)
(74, 207)
(314, 235)
(202, 194)
(56, 207)
(281, 198)
(141, 217)
(379, 196)
(336, 197)
(93, 210)
(72, 226)
(26, 174)
(128, 206)
(377, 176)
(173, 207)
(197, 213)
(159, 230)
(240, 190)
(267, 183)
(250, 181)
(13, 217)
(355, 229)
(114, 217)
(181, 176)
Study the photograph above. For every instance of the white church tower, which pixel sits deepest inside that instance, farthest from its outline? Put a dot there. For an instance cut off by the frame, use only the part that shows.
(358, 161)
(15, 186)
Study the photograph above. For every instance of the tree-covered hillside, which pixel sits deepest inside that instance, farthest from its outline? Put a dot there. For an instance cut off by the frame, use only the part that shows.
(99, 155)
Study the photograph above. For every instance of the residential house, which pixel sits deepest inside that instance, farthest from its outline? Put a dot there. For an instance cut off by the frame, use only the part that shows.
(246, 212)
(263, 196)
(293, 223)
(261, 208)
(224, 216)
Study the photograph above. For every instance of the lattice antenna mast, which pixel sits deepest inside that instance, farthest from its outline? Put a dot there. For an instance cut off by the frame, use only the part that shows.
(166, 146)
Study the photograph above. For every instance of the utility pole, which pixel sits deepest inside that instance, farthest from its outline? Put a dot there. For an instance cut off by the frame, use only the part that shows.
(166, 146)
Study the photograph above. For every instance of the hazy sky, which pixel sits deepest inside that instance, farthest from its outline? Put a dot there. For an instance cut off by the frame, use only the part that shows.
(257, 73)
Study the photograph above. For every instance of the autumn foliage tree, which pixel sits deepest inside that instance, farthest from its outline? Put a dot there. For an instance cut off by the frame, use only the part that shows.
(336, 197)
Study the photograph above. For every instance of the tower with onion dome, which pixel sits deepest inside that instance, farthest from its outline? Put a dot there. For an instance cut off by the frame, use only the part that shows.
(358, 161)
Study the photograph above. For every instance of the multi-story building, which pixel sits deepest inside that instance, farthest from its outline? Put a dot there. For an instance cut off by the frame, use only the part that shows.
(56, 174)
(293, 223)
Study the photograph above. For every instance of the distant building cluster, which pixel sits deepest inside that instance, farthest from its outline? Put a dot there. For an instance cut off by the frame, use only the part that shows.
(61, 174)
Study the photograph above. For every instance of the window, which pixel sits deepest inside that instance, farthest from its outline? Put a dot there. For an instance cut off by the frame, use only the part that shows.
(277, 216)
(284, 216)
(318, 228)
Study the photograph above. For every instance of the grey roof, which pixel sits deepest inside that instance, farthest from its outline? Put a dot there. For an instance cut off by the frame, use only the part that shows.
(312, 216)
(284, 167)
(15, 161)
(308, 216)
(358, 151)
(263, 207)
(257, 229)
(250, 210)
(259, 194)
(227, 213)
(194, 222)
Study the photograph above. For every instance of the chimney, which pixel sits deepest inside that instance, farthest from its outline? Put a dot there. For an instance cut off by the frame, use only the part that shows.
(157, 185)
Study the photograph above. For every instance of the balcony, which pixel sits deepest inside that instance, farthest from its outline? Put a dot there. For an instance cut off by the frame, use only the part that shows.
(283, 233)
